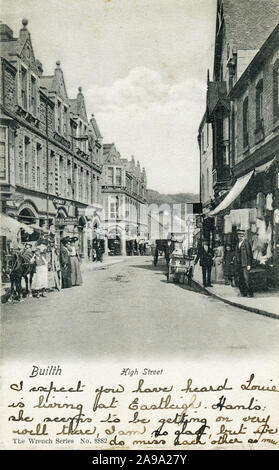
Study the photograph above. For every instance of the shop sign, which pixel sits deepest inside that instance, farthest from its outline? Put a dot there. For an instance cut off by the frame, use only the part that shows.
(60, 202)
(66, 221)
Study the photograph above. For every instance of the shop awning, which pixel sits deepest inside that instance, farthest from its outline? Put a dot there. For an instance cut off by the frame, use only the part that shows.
(37, 228)
(264, 167)
(233, 193)
(10, 226)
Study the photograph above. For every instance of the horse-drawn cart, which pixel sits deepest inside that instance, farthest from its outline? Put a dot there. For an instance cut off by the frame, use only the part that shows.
(180, 268)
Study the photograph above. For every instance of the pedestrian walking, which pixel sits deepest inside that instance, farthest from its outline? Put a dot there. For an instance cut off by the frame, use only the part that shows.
(76, 278)
(205, 255)
(243, 263)
(229, 265)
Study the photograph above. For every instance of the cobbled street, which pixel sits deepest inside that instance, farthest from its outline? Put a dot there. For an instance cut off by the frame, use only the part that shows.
(129, 310)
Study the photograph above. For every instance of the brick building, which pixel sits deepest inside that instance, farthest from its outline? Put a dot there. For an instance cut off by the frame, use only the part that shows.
(124, 199)
(51, 155)
(242, 108)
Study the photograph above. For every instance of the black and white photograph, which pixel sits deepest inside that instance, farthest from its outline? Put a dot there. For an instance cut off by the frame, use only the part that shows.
(139, 225)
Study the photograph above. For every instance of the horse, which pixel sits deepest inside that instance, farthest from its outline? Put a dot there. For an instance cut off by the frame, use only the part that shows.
(20, 268)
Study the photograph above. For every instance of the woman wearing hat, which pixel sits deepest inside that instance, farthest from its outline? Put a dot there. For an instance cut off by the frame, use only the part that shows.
(76, 278)
(40, 278)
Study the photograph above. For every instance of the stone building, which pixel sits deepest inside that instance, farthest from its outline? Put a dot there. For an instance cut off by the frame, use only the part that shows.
(124, 199)
(242, 111)
(51, 155)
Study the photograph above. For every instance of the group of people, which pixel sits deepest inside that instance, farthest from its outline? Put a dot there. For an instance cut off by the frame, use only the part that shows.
(69, 262)
(237, 264)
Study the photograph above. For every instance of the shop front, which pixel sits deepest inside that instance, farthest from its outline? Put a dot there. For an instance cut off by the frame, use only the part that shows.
(251, 205)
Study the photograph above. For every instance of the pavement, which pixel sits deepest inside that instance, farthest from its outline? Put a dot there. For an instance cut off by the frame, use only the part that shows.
(128, 310)
(263, 303)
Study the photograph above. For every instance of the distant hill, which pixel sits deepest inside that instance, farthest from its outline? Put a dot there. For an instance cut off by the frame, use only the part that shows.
(154, 197)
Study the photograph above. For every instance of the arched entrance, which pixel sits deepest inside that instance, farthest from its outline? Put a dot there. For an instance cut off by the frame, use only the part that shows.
(27, 216)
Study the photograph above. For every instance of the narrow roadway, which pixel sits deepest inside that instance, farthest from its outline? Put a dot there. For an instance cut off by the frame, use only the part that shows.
(129, 310)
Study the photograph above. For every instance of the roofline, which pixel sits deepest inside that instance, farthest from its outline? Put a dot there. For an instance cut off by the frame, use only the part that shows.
(253, 68)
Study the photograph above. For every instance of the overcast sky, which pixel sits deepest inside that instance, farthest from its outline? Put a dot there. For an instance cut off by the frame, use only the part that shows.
(142, 66)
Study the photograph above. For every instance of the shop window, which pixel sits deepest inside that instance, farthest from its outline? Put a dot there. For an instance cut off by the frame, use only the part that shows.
(259, 105)
(276, 90)
(245, 111)
(3, 152)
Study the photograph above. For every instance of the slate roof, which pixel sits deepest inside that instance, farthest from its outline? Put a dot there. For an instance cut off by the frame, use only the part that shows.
(250, 22)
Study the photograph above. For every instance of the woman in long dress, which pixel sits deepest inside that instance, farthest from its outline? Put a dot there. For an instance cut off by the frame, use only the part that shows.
(76, 277)
(40, 278)
(65, 263)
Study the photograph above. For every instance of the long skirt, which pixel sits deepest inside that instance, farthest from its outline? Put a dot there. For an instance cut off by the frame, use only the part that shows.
(66, 276)
(75, 271)
(40, 278)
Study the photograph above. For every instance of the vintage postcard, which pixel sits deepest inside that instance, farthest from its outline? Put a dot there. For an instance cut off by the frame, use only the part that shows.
(139, 225)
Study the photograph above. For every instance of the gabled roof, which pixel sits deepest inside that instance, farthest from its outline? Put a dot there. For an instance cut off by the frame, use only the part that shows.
(77, 106)
(55, 83)
(95, 127)
(20, 47)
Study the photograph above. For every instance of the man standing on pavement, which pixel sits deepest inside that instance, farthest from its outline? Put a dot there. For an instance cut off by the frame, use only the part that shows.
(205, 256)
(243, 263)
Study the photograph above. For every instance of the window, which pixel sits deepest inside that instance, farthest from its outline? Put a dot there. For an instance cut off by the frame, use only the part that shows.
(33, 96)
(27, 161)
(110, 176)
(59, 117)
(118, 176)
(259, 105)
(39, 165)
(113, 208)
(65, 121)
(276, 90)
(245, 111)
(24, 88)
(3, 152)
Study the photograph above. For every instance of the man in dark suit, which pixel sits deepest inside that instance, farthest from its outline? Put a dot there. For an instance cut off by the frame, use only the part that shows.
(243, 263)
(205, 255)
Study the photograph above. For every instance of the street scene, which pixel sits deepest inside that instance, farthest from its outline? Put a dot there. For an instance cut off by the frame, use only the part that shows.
(118, 313)
(140, 197)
